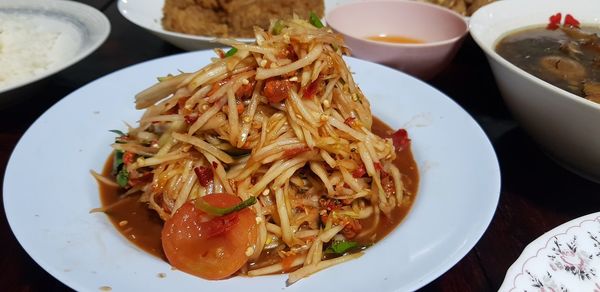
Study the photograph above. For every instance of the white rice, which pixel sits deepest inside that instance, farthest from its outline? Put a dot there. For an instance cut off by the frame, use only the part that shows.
(31, 44)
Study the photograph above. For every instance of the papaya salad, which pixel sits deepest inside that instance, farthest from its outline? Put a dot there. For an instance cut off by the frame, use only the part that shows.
(267, 160)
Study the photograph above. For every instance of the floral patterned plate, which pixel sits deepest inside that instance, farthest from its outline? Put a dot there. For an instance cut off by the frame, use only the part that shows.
(567, 258)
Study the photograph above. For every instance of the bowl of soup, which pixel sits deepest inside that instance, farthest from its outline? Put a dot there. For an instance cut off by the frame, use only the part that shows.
(415, 37)
(545, 56)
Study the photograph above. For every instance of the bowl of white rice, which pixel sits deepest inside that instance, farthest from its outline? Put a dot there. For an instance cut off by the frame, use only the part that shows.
(41, 38)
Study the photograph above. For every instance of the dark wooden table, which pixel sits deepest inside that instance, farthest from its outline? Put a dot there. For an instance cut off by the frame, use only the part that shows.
(536, 194)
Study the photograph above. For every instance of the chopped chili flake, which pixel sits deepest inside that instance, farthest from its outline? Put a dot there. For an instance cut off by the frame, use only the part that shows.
(350, 121)
(329, 204)
(215, 165)
(554, 21)
(571, 21)
(191, 118)
(312, 89)
(220, 53)
(204, 174)
(128, 158)
(359, 172)
(288, 53)
(245, 91)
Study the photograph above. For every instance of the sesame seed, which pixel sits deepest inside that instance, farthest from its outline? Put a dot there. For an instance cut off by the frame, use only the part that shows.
(263, 63)
(123, 223)
(266, 192)
(293, 79)
(245, 81)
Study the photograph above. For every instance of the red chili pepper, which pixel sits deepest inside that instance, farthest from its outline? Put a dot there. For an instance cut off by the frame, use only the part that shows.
(350, 121)
(554, 21)
(290, 153)
(400, 139)
(571, 21)
(204, 174)
(359, 172)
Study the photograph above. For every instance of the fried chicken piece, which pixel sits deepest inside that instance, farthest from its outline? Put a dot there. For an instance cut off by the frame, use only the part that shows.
(232, 18)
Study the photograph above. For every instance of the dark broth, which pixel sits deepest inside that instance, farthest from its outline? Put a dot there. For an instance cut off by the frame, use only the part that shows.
(531, 49)
(144, 226)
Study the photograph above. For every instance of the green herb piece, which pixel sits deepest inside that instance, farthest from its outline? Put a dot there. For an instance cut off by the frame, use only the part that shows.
(118, 132)
(277, 27)
(123, 177)
(117, 162)
(210, 209)
(341, 247)
(314, 20)
(231, 52)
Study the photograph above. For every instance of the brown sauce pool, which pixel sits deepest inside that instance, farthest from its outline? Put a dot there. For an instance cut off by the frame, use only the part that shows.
(143, 226)
(564, 61)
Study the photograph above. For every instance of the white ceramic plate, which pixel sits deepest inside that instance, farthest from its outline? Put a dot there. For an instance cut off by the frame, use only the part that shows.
(48, 190)
(148, 14)
(567, 258)
(84, 25)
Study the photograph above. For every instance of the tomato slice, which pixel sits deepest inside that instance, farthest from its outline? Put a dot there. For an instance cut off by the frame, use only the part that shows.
(277, 90)
(209, 247)
(400, 139)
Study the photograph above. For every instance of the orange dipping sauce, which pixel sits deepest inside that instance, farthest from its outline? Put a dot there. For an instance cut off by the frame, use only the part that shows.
(398, 39)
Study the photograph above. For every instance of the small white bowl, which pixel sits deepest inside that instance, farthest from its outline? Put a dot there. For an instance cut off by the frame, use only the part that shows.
(441, 30)
(149, 13)
(564, 124)
(86, 28)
